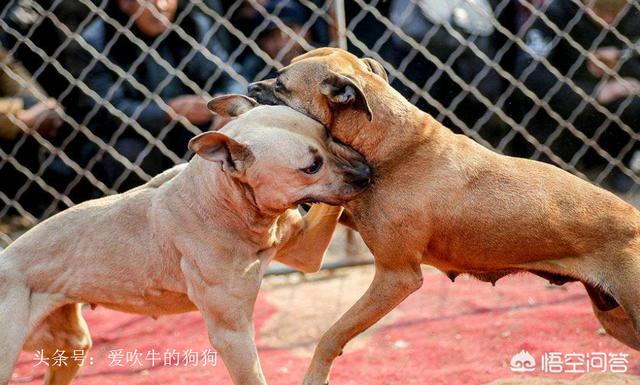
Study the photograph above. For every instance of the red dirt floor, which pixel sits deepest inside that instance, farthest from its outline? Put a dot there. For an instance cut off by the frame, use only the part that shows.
(453, 334)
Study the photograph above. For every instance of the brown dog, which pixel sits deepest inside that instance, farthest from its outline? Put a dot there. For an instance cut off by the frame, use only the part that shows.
(442, 199)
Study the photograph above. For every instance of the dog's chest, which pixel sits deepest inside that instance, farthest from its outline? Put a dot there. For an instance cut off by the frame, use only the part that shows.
(154, 302)
(158, 294)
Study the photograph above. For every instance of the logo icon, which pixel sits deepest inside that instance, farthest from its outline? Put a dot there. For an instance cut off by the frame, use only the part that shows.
(523, 362)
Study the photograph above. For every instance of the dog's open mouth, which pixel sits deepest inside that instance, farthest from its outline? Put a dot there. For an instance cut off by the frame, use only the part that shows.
(309, 201)
(269, 102)
(314, 200)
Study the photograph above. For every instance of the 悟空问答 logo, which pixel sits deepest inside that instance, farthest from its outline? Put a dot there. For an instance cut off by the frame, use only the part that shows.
(523, 362)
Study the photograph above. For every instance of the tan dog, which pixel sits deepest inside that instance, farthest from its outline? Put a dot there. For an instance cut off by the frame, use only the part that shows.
(442, 199)
(197, 237)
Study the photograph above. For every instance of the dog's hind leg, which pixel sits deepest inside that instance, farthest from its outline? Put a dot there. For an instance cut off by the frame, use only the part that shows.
(622, 281)
(612, 279)
(63, 332)
(15, 304)
(618, 325)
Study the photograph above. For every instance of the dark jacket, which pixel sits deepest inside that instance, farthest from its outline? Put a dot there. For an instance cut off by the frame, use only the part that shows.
(146, 70)
(30, 19)
(563, 99)
(567, 59)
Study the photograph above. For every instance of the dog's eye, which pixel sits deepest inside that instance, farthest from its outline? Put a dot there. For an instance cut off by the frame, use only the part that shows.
(279, 86)
(315, 167)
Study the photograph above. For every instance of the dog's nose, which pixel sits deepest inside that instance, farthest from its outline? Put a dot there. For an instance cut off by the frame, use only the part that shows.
(254, 89)
(359, 176)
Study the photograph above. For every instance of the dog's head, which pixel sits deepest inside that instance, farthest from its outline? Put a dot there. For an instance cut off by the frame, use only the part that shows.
(323, 83)
(284, 157)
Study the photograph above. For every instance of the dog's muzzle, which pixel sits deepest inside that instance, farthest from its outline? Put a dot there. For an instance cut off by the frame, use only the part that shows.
(262, 92)
(358, 176)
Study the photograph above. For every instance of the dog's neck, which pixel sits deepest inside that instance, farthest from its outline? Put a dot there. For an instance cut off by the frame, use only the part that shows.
(397, 128)
(215, 197)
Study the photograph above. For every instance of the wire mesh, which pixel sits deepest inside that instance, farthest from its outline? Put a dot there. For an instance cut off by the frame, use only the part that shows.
(97, 96)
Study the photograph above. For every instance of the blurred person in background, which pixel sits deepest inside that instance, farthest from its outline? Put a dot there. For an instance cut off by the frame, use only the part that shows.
(20, 108)
(153, 29)
(21, 114)
(45, 25)
(434, 24)
(369, 29)
(216, 10)
(273, 40)
(591, 25)
(277, 43)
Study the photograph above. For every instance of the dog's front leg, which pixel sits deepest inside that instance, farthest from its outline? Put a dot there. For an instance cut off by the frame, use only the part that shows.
(227, 308)
(307, 238)
(235, 343)
(391, 284)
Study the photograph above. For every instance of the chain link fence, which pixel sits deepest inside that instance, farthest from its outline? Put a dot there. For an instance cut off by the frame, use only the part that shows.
(97, 96)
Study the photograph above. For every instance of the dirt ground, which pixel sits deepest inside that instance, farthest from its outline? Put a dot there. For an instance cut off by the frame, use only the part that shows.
(591, 379)
(450, 334)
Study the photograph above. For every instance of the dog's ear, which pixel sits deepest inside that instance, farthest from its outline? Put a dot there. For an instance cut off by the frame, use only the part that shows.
(230, 106)
(376, 68)
(218, 147)
(341, 90)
